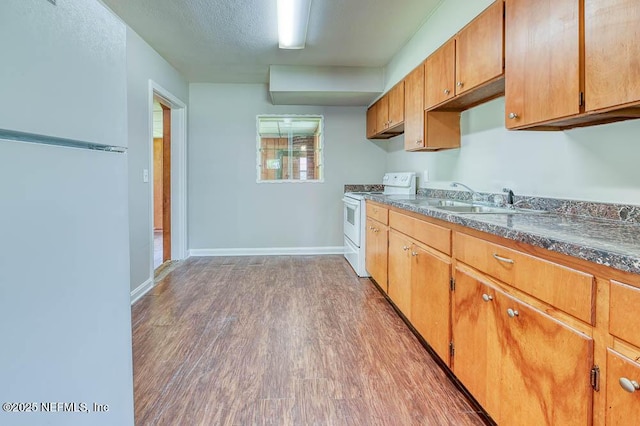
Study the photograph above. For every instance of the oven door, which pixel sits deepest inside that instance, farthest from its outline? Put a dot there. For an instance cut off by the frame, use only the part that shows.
(352, 220)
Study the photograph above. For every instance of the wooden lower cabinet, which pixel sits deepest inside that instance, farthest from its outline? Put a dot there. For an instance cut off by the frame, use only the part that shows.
(376, 251)
(400, 272)
(419, 286)
(527, 329)
(623, 406)
(533, 369)
(476, 353)
(431, 299)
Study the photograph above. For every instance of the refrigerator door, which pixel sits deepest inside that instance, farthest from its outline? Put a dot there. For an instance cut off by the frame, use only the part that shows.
(65, 318)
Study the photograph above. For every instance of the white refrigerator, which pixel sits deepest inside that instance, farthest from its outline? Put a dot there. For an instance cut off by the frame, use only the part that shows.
(64, 286)
(65, 314)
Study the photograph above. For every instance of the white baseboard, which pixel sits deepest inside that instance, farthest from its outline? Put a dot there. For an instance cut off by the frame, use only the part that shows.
(141, 290)
(270, 251)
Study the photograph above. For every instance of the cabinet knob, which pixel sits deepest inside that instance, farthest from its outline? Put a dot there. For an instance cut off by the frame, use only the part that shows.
(413, 253)
(447, 91)
(512, 313)
(629, 385)
(405, 248)
(459, 84)
(487, 297)
(513, 115)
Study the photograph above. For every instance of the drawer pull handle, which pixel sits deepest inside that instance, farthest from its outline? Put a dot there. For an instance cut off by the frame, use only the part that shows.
(512, 313)
(629, 385)
(502, 259)
(405, 248)
(487, 297)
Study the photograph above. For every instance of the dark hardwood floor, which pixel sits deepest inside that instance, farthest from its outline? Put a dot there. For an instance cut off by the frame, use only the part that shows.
(282, 341)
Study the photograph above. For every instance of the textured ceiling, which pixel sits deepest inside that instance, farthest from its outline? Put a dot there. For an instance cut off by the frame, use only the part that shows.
(235, 41)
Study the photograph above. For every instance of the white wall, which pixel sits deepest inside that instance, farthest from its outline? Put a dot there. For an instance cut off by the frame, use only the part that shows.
(596, 163)
(228, 209)
(144, 63)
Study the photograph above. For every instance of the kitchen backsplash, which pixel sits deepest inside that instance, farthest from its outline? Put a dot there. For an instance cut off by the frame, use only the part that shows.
(364, 188)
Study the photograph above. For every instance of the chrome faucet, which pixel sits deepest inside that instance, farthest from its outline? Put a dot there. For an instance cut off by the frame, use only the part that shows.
(508, 197)
(475, 196)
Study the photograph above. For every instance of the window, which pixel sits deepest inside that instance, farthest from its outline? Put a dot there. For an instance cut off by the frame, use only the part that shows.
(290, 148)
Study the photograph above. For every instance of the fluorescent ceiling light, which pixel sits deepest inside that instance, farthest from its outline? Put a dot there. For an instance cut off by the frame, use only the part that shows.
(293, 18)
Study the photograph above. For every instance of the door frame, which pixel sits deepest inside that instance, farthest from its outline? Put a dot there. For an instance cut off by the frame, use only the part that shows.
(179, 247)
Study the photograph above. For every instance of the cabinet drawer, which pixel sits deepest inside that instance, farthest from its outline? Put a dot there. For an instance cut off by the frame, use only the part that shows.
(377, 212)
(623, 312)
(564, 288)
(432, 235)
(622, 406)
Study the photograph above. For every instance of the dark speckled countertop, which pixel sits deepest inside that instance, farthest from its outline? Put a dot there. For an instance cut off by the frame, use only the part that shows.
(613, 243)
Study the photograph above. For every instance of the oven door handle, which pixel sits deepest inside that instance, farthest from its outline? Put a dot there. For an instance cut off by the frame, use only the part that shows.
(353, 204)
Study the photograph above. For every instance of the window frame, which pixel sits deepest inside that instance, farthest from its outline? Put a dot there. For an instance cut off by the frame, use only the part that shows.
(258, 151)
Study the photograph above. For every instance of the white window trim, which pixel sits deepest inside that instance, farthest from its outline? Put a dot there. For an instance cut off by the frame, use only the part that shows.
(258, 145)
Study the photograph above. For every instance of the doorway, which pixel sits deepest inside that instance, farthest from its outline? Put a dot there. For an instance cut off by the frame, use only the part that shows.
(161, 182)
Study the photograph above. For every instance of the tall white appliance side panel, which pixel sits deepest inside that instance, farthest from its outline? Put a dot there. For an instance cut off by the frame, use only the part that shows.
(63, 70)
(64, 283)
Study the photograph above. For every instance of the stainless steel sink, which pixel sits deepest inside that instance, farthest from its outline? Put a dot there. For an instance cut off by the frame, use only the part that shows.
(438, 203)
(481, 209)
(470, 207)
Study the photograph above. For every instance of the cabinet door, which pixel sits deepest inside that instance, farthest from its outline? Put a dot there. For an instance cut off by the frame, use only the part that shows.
(545, 367)
(440, 75)
(542, 53)
(612, 49)
(413, 109)
(623, 407)
(376, 252)
(477, 355)
(479, 49)
(396, 105)
(431, 299)
(372, 121)
(400, 272)
(382, 114)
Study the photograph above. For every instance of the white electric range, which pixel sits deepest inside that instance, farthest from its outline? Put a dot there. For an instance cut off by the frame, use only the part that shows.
(395, 184)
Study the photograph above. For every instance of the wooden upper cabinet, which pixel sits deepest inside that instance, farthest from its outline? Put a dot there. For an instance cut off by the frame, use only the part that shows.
(372, 121)
(480, 49)
(612, 53)
(385, 118)
(542, 54)
(396, 105)
(440, 75)
(382, 114)
(414, 109)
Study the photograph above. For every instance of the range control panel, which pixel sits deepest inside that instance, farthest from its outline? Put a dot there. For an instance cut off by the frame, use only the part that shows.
(399, 183)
